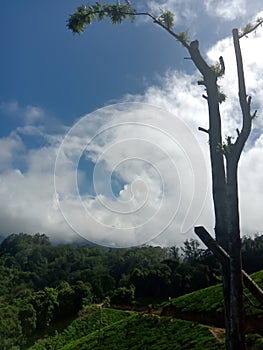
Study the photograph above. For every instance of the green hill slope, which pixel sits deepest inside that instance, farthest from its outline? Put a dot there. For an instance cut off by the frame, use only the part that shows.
(91, 320)
(180, 325)
(206, 306)
(130, 330)
(211, 299)
(149, 332)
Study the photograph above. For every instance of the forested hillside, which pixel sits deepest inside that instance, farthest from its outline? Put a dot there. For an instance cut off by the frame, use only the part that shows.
(44, 286)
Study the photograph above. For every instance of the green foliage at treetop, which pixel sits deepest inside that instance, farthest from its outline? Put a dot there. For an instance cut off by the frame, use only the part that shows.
(85, 15)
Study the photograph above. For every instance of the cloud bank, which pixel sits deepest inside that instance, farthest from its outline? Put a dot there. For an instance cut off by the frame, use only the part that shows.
(227, 10)
(141, 158)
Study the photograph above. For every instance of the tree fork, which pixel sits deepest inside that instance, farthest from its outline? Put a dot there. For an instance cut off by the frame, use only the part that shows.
(224, 181)
(218, 171)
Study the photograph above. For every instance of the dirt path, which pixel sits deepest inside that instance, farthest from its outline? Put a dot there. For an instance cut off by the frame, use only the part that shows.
(218, 333)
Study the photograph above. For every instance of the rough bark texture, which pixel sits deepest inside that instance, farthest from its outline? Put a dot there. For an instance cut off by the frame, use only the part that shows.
(232, 159)
(236, 284)
(218, 171)
(225, 186)
(225, 191)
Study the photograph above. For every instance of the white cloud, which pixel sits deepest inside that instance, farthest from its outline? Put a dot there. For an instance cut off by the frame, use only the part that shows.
(227, 9)
(251, 163)
(251, 53)
(147, 148)
(156, 157)
(182, 9)
(10, 148)
(27, 196)
(27, 115)
(137, 142)
(251, 191)
(33, 114)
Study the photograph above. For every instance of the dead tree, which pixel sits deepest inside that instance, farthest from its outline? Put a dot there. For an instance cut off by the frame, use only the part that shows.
(224, 156)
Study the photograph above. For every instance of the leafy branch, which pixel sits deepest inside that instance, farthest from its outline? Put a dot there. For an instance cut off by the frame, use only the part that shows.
(85, 15)
(166, 18)
(247, 29)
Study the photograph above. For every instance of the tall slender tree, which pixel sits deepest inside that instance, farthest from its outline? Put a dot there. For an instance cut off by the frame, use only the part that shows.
(224, 156)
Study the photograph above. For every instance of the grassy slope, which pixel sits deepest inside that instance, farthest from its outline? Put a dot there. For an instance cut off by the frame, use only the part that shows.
(89, 322)
(126, 330)
(149, 332)
(211, 299)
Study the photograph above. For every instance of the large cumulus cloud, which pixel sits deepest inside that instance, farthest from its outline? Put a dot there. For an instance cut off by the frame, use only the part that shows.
(146, 164)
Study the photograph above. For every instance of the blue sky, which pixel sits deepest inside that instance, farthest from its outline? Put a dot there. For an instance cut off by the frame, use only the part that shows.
(43, 64)
(50, 78)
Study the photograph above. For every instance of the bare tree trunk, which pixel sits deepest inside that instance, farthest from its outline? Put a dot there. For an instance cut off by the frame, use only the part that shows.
(218, 171)
(224, 186)
(219, 194)
(236, 283)
(225, 195)
(232, 154)
(225, 192)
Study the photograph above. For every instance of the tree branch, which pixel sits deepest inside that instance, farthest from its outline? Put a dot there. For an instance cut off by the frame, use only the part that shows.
(224, 259)
(203, 129)
(244, 101)
(251, 28)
